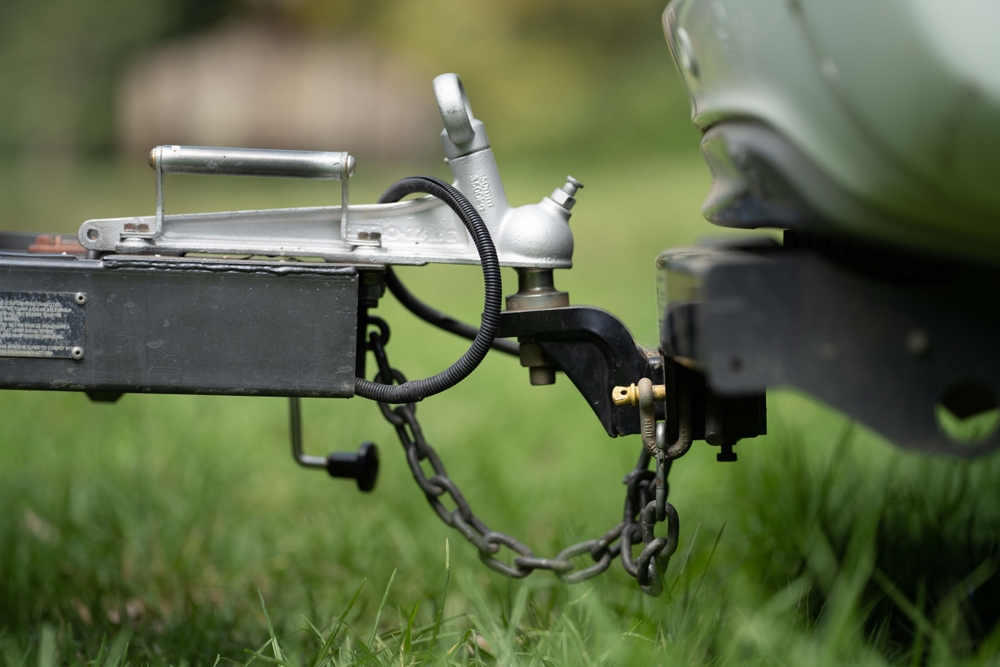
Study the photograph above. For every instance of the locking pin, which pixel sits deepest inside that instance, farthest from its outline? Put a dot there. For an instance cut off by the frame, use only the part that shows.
(630, 395)
(644, 395)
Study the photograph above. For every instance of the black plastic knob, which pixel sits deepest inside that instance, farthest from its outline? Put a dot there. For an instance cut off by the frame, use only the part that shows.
(361, 467)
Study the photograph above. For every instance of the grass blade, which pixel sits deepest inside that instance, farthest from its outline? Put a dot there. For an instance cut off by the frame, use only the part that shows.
(711, 555)
(444, 596)
(378, 616)
(265, 658)
(118, 651)
(328, 644)
(47, 647)
(270, 630)
(408, 633)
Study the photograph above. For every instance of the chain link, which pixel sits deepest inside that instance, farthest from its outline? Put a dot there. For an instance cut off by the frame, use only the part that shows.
(636, 528)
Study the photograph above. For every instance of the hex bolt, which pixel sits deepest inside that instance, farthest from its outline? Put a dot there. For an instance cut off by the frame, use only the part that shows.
(76, 353)
(563, 195)
(536, 289)
(80, 298)
(540, 369)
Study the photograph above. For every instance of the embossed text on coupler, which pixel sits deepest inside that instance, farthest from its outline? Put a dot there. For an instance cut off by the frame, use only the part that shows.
(481, 191)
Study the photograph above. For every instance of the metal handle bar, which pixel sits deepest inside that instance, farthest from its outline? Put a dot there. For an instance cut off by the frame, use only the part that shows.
(323, 165)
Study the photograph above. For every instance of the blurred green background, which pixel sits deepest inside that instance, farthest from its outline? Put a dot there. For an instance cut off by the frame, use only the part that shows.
(582, 76)
(141, 532)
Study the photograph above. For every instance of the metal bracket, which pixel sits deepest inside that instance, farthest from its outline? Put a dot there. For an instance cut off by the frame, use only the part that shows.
(887, 338)
(595, 350)
(597, 353)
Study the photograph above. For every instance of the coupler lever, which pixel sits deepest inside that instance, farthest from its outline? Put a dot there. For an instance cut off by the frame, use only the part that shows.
(361, 466)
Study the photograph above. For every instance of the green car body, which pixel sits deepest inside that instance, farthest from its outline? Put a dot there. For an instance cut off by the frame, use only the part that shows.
(874, 120)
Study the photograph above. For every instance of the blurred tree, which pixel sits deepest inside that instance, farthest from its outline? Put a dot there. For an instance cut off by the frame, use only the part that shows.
(546, 75)
(58, 60)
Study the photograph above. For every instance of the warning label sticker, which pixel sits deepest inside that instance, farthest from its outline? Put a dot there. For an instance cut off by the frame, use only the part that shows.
(41, 324)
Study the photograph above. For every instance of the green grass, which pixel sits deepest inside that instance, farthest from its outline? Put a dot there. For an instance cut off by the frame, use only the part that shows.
(177, 530)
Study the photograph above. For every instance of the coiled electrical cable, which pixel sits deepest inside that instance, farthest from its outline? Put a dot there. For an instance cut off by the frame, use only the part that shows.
(432, 315)
(415, 390)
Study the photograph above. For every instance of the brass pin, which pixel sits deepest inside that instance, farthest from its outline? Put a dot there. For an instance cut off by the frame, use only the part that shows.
(630, 395)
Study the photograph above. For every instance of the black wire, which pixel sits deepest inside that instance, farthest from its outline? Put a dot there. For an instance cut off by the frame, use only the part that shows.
(415, 390)
(441, 320)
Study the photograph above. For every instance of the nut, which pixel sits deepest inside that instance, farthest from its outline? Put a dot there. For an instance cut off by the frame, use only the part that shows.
(563, 198)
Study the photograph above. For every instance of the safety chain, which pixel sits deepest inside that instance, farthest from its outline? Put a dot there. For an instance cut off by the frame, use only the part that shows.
(644, 508)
